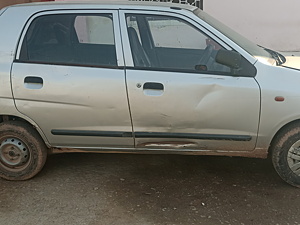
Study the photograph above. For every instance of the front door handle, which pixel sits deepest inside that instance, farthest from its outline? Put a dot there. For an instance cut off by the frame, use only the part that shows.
(153, 86)
(153, 89)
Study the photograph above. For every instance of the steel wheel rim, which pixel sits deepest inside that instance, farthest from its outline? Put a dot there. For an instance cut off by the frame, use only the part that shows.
(14, 153)
(293, 158)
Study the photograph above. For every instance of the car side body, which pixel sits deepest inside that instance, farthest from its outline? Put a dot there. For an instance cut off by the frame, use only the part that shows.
(134, 90)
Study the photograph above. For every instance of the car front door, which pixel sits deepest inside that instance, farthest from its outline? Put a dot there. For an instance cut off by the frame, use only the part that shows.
(179, 96)
(69, 78)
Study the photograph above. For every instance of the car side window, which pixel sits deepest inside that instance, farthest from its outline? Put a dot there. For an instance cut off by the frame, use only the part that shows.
(170, 43)
(70, 39)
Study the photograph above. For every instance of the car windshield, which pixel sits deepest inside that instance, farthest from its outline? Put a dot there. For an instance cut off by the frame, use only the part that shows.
(244, 43)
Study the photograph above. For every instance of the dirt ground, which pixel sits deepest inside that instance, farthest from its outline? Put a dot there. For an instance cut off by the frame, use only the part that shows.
(125, 189)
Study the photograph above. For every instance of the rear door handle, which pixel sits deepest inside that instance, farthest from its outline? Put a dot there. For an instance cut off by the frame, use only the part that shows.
(32, 82)
(153, 86)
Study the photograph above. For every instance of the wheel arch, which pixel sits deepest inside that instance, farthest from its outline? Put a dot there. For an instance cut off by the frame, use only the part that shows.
(6, 117)
(282, 130)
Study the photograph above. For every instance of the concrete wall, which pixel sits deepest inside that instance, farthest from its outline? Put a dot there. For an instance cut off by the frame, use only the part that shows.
(271, 23)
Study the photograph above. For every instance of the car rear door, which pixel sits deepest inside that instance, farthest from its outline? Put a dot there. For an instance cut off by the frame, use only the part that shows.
(179, 96)
(69, 78)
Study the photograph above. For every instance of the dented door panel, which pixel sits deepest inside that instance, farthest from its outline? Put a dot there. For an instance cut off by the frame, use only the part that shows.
(195, 111)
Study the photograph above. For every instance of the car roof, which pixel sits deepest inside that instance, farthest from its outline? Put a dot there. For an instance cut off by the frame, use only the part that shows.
(110, 4)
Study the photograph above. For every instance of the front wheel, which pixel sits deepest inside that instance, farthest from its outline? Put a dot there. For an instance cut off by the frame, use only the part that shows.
(23, 153)
(286, 155)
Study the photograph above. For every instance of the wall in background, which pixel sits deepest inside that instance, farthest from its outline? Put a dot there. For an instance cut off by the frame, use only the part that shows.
(271, 23)
(4, 3)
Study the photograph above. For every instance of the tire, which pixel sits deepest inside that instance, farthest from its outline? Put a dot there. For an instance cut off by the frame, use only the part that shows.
(23, 153)
(286, 154)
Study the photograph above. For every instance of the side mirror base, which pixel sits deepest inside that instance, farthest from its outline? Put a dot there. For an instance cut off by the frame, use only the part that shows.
(229, 58)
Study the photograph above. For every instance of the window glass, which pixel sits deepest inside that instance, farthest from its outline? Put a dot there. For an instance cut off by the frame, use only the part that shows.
(243, 42)
(90, 30)
(162, 29)
(170, 43)
(71, 39)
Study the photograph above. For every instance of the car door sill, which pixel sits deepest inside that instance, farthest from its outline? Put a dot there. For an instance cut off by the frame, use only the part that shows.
(256, 153)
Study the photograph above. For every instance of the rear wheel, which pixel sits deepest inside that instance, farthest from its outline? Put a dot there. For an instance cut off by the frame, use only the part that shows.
(286, 155)
(23, 153)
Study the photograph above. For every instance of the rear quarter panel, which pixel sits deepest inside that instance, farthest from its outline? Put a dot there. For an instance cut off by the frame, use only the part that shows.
(12, 21)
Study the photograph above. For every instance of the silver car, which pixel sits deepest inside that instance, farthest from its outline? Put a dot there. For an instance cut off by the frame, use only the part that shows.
(140, 78)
